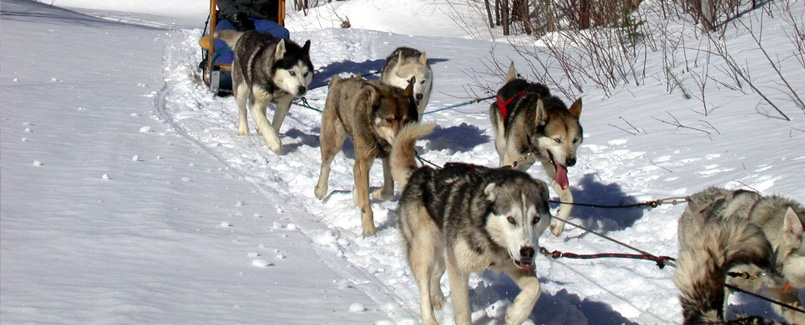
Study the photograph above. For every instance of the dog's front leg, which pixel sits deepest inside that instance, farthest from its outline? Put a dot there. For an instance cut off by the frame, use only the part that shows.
(459, 290)
(789, 297)
(361, 171)
(387, 191)
(566, 196)
(282, 107)
(269, 134)
(524, 303)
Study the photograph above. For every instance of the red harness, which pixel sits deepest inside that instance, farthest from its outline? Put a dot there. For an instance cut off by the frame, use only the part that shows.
(503, 105)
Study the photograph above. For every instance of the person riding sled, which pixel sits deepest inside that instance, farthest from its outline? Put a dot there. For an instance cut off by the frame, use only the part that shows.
(245, 15)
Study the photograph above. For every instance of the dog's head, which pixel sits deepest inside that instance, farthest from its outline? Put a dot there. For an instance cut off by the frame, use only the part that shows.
(392, 108)
(559, 135)
(419, 69)
(292, 68)
(518, 214)
(791, 252)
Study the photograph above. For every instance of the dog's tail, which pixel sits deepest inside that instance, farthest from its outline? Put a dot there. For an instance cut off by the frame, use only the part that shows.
(230, 37)
(403, 154)
(705, 258)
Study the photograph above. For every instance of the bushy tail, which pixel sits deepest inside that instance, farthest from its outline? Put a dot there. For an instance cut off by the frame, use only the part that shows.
(704, 260)
(403, 154)
(230, 37)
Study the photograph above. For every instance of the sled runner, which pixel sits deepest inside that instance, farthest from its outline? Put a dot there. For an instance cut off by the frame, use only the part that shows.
(217, 69)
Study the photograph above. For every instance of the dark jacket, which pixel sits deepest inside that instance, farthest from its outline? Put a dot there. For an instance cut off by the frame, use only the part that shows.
(262, 9)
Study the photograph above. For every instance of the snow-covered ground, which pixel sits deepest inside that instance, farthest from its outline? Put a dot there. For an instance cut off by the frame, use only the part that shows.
(127, 196)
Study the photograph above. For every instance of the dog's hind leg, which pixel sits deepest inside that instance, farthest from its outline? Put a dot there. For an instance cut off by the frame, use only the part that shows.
(387, 191)
(283, 105)
(241, 97)
(524, 303)
(500, 132)
(331, 139)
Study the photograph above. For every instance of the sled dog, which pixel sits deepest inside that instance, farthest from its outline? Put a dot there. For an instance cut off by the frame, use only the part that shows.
(780, 221)
(466, 218)
(371, 114)
(708, 249)
(266, 70)
(532, 125)
(406, 63)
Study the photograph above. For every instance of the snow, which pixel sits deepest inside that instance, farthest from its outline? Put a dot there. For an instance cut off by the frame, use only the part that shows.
(127, 197)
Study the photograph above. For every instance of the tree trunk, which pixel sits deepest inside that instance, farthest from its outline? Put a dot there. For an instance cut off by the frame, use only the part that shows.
(505, 10)
(489, 14)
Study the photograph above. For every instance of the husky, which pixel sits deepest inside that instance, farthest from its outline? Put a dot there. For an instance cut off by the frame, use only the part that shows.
(708, 249)
(406, 63)
(267, 70)
(371, 114)
(780, 221)
(532, 125)
(465, 218)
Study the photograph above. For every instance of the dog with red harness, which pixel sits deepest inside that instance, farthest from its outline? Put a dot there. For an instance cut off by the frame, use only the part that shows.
(532, 125)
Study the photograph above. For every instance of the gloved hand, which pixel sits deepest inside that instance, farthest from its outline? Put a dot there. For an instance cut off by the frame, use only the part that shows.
(241, 22)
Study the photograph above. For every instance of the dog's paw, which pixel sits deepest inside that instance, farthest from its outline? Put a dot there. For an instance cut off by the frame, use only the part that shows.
(437, 301)
(369, 231)
(274, 144)
(381, 194)
(243, 131)
(320, 191)
(557, 227)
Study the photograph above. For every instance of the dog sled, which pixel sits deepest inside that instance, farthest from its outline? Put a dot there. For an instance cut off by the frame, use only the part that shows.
(218, 75)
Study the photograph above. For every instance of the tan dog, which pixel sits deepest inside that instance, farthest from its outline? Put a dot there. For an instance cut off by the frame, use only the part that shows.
(371, 114)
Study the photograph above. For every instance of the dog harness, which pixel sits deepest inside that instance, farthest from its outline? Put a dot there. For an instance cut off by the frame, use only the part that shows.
(503, 105)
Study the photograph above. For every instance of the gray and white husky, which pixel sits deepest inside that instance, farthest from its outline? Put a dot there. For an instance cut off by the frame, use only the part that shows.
(466, 218)
(740, 231)
(406, 63)
(267, 70)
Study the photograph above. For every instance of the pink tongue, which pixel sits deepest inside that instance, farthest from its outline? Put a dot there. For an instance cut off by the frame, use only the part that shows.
(561, 176)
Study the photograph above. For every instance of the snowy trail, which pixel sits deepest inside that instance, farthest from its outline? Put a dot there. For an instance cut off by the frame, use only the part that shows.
(334, 224)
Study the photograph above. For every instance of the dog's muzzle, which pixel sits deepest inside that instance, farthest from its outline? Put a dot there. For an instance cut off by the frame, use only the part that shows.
(526, 261)
(301, 91)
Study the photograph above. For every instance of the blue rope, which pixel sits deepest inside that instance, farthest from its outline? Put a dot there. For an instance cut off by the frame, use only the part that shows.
(476, 100)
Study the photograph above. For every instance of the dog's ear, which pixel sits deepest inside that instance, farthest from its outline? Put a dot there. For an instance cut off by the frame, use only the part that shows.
(512, 73)
(489, 192)
(409, 91)
(423, 59)
(793, 225)
(306, 47)
(575, 109)
(400, 59)
(279, 52)
(541, 117)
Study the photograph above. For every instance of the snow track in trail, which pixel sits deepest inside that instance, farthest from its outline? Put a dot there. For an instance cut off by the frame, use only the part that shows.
(211, 123)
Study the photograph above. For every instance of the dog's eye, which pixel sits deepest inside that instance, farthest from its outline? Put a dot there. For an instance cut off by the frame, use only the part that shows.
(390, 120)
(535, 220)
(293, 73)
(510, 219)
(558, 140)
(423, 82)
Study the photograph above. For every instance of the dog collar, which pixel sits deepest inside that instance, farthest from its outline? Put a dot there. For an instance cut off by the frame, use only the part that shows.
(503, 104)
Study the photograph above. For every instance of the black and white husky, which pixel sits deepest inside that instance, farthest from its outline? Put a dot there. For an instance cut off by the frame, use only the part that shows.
(267, 70)
(466, 218)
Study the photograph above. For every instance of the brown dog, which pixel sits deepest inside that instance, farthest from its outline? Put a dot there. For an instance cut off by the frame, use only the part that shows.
(371, 113)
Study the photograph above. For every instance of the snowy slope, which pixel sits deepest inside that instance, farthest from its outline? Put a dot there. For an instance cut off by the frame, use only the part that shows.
(197, 224)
